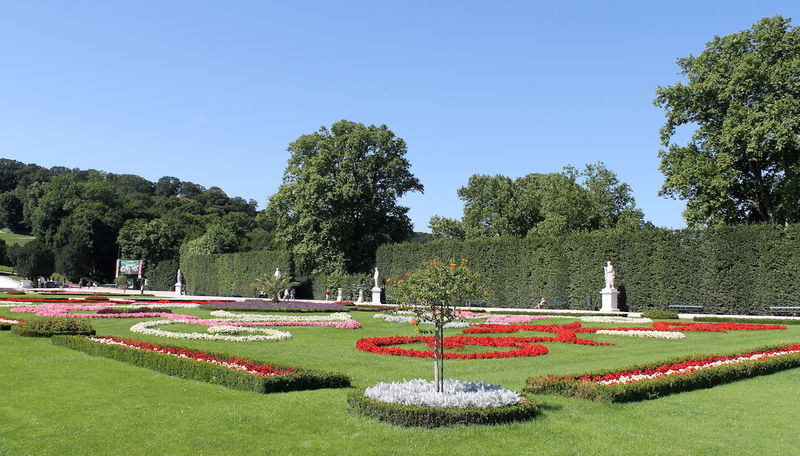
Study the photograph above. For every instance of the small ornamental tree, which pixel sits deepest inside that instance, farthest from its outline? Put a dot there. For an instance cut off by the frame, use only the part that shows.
(432, 293)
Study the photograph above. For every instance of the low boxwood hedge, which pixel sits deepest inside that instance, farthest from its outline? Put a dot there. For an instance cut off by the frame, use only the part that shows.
(301, 379)
(47, 327)
(662, 386)
(430, 417)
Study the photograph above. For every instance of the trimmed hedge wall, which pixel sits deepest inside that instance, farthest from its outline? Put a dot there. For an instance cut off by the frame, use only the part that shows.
(230, 274)
(430, 417)
(192, 369)
(662, 386)
(727, 270)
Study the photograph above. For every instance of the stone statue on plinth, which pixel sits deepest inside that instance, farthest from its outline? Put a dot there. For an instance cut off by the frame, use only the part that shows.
(610, 275)
(376, 290)
(179, 283)
(609, 294)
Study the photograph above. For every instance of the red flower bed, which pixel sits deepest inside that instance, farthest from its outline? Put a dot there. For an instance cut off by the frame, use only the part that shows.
(681, 368)
(564, 333)
(381, 345)
(264, 370)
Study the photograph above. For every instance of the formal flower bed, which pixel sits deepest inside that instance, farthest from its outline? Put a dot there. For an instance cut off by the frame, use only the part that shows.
(101, 311)
(522, 346)
(649, 334)
(6, 323)
(415, 403)
(338, 316)
(284, 306)
(47, 327)
(615, 320)
(412, 320)
(514, 319)
(657, 326)
(456, 393)
(661, 378)
(149, 328)
(264, 370)
(218, 368)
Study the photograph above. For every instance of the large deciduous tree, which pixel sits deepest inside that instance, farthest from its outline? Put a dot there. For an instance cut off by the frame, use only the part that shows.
(742, 97)
(542, 204)
(338, 201)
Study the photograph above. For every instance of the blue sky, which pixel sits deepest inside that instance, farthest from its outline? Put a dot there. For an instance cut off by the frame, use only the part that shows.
(213, 92)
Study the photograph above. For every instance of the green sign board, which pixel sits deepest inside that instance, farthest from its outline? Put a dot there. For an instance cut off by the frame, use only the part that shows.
(129, 266)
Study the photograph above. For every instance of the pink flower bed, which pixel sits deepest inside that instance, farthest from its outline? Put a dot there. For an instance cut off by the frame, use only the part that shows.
(351, 324)
(515, 319)
(63, 310)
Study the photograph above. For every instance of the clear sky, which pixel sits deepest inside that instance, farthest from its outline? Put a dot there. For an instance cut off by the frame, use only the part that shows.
(213, 92)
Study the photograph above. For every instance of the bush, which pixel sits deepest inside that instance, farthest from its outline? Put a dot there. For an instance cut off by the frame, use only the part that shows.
(192, 369)
(47, 327)
(430, 417)
(662, 386)
(660, 314)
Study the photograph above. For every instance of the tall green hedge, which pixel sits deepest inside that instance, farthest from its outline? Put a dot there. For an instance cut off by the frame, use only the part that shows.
(736, 270)
(230, 274)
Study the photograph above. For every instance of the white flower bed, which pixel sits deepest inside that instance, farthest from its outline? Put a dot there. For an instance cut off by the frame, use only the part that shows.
(404, 319)
(18, 304)
(456, 394)
(3, 321)
(336, 316)
(148, 327)
(637, 333)
(615, 320)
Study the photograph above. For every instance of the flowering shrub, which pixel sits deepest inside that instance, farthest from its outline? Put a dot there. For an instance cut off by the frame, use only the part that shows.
(666, 377)
(456, 393)
(232, 372)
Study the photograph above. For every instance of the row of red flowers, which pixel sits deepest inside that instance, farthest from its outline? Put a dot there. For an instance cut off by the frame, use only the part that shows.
(522, 345)
(264, 370)
(680, 368)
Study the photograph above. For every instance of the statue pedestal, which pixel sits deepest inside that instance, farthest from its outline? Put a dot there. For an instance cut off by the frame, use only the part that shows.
(609, 300)
(376, 295)
(360, 296)
(179, 288)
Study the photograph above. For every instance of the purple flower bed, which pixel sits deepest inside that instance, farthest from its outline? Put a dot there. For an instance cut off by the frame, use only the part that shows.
(283, 306)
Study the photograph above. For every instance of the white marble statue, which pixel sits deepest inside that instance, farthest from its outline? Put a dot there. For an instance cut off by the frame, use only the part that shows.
(277, 272)
(376, 278)
(610, 275)
(180, 277)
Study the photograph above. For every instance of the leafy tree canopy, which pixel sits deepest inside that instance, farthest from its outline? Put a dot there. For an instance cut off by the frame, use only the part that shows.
(545, 204)
(742, 97)
(338, 200)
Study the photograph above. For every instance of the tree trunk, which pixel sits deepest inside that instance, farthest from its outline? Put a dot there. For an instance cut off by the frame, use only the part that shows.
(436, 349)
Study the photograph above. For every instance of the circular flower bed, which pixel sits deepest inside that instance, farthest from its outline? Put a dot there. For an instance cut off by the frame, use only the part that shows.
(148, 327)
(635, 333)
(415, 403)
(522, 345)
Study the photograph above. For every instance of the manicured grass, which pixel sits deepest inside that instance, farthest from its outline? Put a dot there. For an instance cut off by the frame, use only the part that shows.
(61, 402)
(14, 238)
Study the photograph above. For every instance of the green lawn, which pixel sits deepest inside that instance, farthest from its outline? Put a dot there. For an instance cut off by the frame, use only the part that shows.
(55, 401)
(13, 238)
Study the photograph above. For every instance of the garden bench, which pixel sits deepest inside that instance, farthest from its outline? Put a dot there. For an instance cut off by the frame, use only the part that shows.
(786, 310)
(685, 307)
